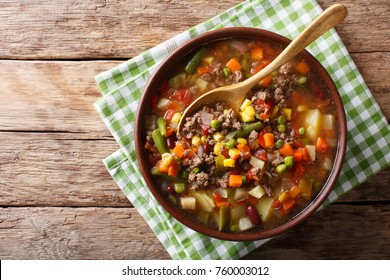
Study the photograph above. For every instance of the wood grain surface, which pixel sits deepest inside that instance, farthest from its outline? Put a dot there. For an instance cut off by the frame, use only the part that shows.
(57, 201)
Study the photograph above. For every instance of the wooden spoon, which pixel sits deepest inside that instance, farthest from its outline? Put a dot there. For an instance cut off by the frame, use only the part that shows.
(233, 95)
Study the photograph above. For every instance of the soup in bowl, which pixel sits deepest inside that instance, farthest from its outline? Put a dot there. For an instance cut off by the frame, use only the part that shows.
(240, 175)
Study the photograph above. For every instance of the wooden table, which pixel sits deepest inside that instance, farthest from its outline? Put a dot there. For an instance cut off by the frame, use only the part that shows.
(58, 201)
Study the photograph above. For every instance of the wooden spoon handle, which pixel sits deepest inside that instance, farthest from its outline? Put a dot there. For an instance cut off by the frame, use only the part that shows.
(328, 19)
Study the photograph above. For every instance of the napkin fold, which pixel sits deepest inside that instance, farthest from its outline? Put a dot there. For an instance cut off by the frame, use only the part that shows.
(368, 150)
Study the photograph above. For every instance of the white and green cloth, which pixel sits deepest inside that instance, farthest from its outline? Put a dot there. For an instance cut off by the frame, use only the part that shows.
(368, 150)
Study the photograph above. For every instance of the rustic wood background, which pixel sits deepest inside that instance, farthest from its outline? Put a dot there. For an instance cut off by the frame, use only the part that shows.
(58, 201)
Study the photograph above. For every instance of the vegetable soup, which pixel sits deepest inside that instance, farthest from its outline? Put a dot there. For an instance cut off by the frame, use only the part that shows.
(247, 170)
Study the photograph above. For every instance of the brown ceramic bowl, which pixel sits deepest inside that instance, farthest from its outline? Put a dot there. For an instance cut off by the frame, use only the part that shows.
(144, 108)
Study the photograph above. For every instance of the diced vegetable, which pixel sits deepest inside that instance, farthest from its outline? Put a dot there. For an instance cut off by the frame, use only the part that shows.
(281, 120)
(234, 153)
(201, 84)
(163, 103)
(233, 65)
(322, 145)
(287, 113)
(302, 68)
(279, 143)
(229, 162)
(255, 162)
(203, 200)
(231, 143)
(269, 140)
(286, 150)
(215, 124)
(327, 164)
(240, 194)
(305, 186)
(244, 224)
(264, 207)
(313, 121)
(288, 205)
(188, 202)
(283, 197)
(195, 141)
(257, 192)
(236, 213)
(312, 152)
(328, 122)
(173, 169)
(219, 162)
(257, 53)
(294, 192)
(301, 131)
(195, 60)
(224, 217)
(235, 181)
(179, 150)
(176, 118)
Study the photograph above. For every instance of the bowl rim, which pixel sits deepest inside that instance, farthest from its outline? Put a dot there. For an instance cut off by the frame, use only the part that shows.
(156, 78)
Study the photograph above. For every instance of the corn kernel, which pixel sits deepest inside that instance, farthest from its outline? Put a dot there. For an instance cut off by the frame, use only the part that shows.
(196, 141)
(242, 141)
(246, 117)
(203, 139)
(245, 104)
(225, 112)
(287, 113)
(218, 136)
(217, 148)
(176, 118)
(229, 162)
(234, 153)
(283, 197)
(166, 159)
(250, 111)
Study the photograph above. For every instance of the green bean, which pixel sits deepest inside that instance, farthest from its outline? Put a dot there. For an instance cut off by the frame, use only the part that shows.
(227, 72)
(195, 60)
(195, 170)
(248, 128)
(162, 125)
(231, 143)
(160, 142)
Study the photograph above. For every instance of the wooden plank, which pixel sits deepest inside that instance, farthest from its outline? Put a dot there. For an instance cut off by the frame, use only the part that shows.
(76, 233)
(120, 233)
(55, 169)
(65, 169)
(51, 96)
(48, 96)
(338, 232)
(116, 29)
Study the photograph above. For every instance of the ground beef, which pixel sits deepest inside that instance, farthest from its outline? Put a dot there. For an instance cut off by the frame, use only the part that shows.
(224, 180)
(285, 69)
(252, 140)
(200, 180)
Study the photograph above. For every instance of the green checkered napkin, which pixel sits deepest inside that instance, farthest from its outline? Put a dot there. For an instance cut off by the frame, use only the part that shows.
(368, 149)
